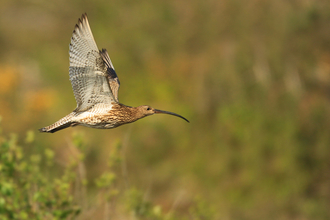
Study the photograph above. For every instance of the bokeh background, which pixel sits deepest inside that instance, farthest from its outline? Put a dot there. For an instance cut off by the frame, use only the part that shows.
(253, 78)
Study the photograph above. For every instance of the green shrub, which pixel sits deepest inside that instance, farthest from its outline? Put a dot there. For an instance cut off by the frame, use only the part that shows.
(30, 190)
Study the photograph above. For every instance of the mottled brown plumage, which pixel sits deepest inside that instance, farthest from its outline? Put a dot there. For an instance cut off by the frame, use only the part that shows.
(95, 86)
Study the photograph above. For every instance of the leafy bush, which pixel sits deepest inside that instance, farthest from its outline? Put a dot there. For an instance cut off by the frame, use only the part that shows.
(28, 190)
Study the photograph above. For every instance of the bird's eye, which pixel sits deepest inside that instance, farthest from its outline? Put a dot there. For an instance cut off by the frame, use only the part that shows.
(148, 108)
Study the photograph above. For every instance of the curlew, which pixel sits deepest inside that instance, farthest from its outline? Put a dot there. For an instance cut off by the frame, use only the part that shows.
(95, 86)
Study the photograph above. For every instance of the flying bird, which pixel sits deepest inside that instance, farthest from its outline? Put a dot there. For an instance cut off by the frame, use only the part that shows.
(95, 86)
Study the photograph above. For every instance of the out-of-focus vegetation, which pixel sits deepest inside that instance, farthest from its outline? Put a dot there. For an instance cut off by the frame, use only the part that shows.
(27, 193)
(30, 190)
(253, 77)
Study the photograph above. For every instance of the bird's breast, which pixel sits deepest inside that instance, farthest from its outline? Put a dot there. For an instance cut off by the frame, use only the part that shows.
(105, 116)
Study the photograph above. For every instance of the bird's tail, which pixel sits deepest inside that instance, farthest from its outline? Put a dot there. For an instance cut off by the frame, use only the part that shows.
(60, 124)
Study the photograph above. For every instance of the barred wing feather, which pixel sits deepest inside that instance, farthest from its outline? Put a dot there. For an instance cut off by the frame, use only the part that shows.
(111, 74)
(88, 71)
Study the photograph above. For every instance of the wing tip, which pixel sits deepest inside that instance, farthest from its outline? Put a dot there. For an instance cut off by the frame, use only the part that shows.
(83, 18)
(106, 58)
(80, 22)
(103, 50)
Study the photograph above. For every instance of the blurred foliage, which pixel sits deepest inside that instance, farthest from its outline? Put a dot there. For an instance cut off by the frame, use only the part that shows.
(28, 191)
(253, 78)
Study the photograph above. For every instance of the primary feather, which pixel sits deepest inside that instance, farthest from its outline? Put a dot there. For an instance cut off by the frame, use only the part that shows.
(88, 70)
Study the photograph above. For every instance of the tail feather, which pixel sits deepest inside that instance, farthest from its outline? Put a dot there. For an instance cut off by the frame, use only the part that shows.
(60, 124)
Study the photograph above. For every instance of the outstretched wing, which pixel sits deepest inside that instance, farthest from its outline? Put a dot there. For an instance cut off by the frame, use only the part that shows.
(111, 74)
(88, 71)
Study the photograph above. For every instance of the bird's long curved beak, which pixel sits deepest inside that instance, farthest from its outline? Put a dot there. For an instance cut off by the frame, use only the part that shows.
(170, 113)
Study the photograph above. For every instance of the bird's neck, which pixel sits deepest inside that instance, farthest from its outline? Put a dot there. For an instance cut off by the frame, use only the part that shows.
(127, 114)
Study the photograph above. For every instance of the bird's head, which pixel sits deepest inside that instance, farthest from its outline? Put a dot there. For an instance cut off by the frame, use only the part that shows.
(145, 110)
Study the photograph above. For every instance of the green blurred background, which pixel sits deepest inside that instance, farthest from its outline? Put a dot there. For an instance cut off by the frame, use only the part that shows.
(253, 78)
